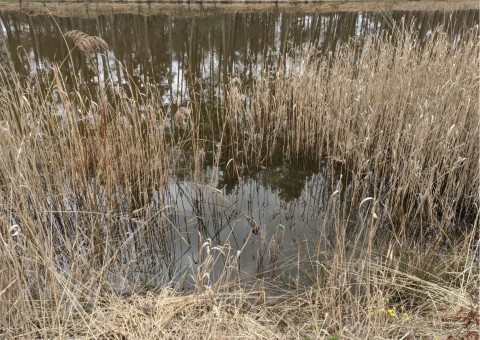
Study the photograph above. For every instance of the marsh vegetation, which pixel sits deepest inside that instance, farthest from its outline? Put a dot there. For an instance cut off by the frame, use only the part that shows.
(317, 177)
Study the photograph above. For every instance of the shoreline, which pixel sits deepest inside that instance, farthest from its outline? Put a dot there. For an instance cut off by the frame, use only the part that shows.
(84, 9)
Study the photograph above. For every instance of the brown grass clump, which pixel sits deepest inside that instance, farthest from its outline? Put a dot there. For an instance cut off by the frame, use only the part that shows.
(86, 207)
(87, 44)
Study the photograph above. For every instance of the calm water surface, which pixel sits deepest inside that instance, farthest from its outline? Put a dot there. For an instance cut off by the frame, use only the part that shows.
(181, 55)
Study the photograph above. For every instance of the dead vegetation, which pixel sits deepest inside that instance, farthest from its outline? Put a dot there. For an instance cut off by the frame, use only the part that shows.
(87, 44)
(400, 115)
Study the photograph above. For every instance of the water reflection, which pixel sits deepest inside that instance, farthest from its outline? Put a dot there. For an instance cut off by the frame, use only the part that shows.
(296, 212)
(287, 226)
(186, 57)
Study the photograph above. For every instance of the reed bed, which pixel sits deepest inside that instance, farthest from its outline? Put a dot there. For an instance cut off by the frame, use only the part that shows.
(84, 196)
(400, 109)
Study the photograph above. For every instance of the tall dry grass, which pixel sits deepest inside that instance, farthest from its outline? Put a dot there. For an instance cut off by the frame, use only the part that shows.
(83, 181)
(396, 108)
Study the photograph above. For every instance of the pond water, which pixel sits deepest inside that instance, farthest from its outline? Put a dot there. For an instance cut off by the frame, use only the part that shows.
(184, 55)
(187, 57)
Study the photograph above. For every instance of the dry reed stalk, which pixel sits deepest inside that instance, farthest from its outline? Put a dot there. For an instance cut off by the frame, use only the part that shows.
(87, 44)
